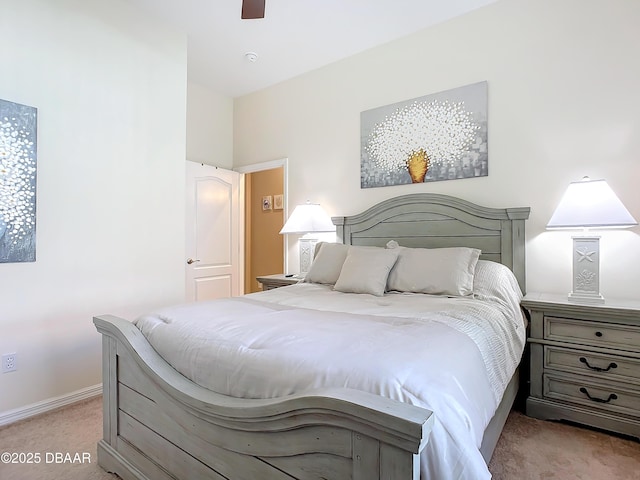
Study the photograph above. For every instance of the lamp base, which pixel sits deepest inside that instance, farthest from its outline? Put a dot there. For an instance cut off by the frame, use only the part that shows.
(586, 298)
(307, 251)
(586, 270)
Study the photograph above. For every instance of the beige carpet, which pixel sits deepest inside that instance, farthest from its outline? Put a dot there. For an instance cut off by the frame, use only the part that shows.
(528, 449)
(537, 449)
(73, 429)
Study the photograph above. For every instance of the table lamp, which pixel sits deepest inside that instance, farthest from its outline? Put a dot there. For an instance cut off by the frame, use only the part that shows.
(589, 204)
(307, 219)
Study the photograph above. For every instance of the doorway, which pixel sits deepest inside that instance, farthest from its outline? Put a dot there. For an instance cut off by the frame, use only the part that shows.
(264, 247)
(264, 217)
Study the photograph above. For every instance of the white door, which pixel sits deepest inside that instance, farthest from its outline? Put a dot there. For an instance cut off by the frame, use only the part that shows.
(213, 233)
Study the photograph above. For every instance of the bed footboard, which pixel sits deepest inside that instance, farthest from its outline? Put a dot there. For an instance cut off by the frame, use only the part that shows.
(159, 425)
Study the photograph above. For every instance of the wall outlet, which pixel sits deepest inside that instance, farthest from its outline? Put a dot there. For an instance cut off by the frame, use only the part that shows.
(9, 362)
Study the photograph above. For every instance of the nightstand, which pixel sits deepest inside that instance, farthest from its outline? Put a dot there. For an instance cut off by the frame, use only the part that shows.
(585, 362)
(276, 281)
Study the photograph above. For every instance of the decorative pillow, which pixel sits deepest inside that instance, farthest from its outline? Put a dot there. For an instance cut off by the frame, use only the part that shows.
(366, 270)
(327, 263)
(438, 271)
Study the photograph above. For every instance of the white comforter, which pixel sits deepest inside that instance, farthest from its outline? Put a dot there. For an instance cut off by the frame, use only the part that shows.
(453, 356)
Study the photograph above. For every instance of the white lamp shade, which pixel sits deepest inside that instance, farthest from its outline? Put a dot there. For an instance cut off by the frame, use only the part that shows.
(590, 204)
(308, 218)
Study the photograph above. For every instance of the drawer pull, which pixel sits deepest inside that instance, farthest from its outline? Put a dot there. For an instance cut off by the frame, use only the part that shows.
(598, 334)
(598, 369)
(612, 396)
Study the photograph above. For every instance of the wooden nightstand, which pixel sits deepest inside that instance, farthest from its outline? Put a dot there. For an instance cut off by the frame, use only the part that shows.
(276, 281)
(585, 362)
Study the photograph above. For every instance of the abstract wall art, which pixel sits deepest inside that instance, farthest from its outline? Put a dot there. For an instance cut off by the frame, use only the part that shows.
(18, 156)
(442, 136)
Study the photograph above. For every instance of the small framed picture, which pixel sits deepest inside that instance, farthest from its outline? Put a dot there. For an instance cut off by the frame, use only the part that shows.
(278, 202)
(266, 202)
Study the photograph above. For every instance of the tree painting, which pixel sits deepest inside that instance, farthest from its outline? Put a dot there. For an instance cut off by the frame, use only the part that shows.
(441, 136)
(18, 155)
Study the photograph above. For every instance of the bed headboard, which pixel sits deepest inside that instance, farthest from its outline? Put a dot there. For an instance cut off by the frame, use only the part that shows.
(432, 220)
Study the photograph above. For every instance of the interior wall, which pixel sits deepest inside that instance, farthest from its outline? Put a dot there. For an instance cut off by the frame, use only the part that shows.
(209, 127)
(264, 253)
(563, 102)
(110, 89)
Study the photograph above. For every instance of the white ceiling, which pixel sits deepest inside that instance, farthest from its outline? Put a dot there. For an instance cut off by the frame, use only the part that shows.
(295, 36)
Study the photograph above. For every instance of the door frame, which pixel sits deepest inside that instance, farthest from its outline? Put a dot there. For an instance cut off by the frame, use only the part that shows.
(259, 167)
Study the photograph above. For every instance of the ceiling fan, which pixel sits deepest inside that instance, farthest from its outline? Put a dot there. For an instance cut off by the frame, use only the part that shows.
(252, 9)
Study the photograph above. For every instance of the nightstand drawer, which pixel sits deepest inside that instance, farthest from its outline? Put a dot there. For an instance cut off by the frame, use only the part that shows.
(610, 367)
(621, 399)
(583, 332)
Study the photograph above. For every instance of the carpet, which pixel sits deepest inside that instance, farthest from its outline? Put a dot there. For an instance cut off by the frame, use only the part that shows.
(536, 449)
(71, 430)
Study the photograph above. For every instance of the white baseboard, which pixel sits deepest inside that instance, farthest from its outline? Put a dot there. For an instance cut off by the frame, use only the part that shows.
(22, 413)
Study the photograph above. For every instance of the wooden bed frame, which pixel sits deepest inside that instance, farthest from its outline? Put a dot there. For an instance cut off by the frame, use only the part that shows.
(159, 425)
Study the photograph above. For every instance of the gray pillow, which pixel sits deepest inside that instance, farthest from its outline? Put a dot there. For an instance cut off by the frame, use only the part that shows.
(366, 270)
(438, 271)
(327, 263)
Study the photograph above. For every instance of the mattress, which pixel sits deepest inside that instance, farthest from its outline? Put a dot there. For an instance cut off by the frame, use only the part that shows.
(451, 355)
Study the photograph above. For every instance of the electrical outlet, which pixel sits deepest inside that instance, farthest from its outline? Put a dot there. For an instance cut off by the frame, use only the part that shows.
(9, 362)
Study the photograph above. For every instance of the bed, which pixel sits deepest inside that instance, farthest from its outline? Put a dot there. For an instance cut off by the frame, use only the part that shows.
(161, 424)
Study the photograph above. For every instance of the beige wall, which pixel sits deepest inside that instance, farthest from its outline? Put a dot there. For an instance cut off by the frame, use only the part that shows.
(264, 252)
(563, 102)
(109, 86)
(209, 127)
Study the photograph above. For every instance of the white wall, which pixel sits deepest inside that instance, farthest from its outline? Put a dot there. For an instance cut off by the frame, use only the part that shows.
(110, 88)
(209, 127)
(563, 103)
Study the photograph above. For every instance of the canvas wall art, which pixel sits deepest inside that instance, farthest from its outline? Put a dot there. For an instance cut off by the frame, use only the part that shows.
(18, 151)
(442, 136)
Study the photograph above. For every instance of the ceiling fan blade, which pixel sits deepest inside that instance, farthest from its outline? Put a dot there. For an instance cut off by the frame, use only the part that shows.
(252, 9)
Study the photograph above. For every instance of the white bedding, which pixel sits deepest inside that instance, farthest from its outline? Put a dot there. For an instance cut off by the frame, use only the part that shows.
(453, 356)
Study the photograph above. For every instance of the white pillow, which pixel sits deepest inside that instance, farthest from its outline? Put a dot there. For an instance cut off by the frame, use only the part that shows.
(366, 270)
(437, 271)
(327, 263)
